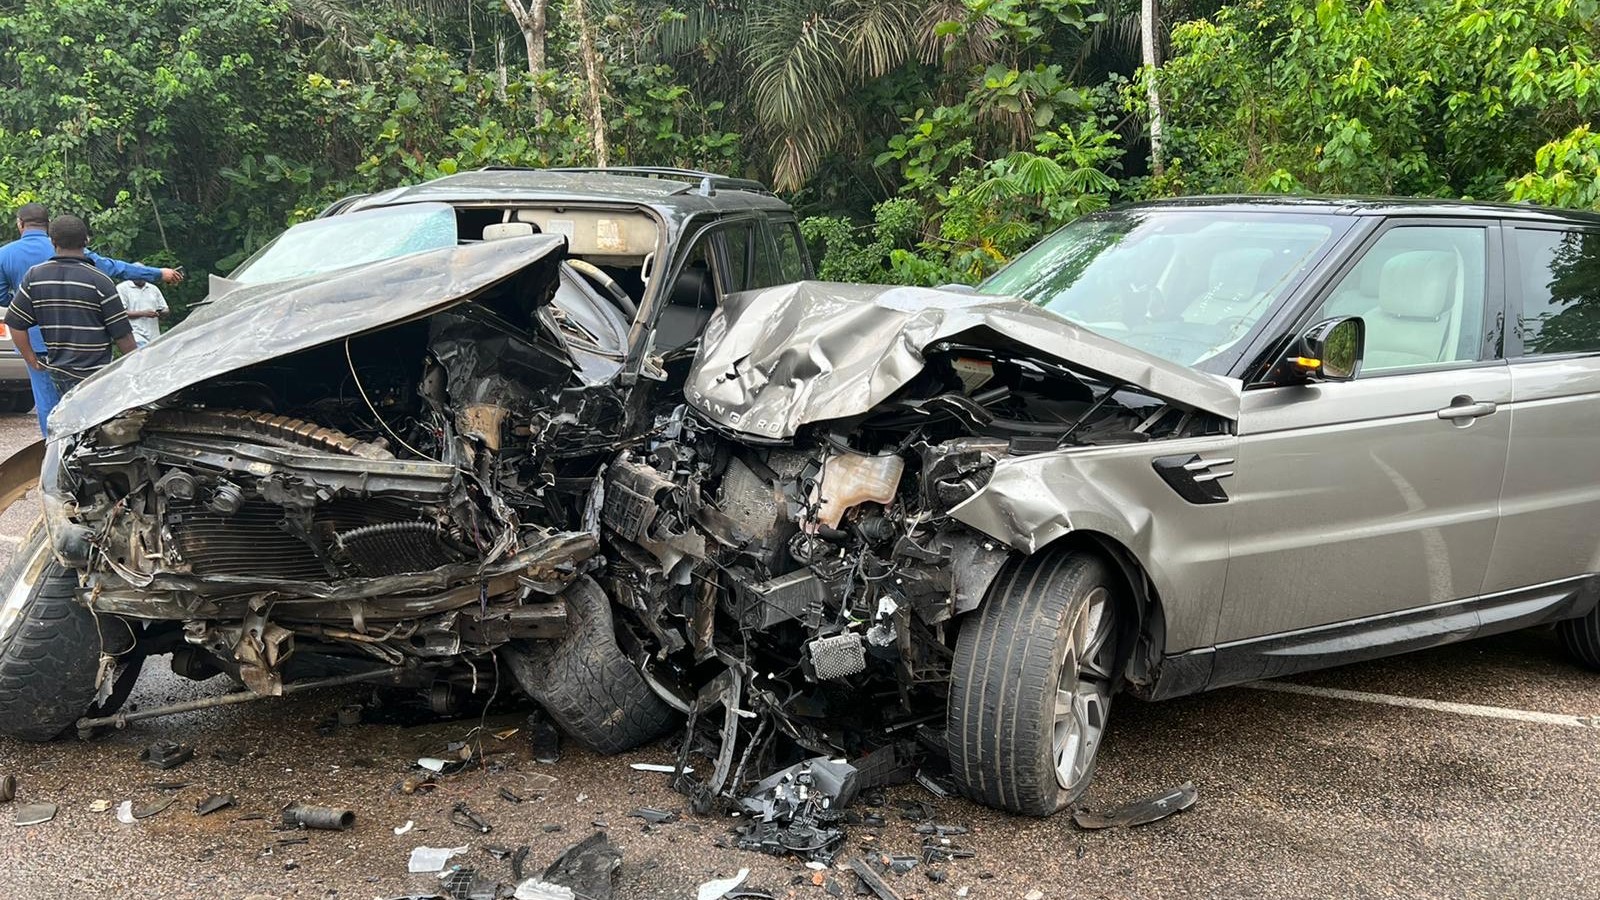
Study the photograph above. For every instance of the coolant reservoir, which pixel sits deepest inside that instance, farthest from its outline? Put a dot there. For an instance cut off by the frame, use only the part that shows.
(852, 478)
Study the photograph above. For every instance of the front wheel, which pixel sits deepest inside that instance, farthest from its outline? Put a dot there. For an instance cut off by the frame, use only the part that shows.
(50, 647)
(1581, 637)
(1031, 684)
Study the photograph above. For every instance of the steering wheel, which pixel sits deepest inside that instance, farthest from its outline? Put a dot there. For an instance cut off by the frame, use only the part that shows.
(614, 291)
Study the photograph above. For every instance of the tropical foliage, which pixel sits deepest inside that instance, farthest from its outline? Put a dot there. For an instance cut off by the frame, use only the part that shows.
(925, 141)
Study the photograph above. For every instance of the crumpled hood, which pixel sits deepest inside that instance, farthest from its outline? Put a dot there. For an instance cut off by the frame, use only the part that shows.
(774, 360)
(256, 322)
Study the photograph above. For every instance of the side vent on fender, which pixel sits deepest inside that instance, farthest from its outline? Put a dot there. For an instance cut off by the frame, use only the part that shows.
(1196, 479)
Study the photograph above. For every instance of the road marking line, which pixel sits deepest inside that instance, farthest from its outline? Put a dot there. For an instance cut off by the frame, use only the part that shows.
(1463, 709)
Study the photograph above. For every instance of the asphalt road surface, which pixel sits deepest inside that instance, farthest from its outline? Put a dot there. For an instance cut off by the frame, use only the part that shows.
(1439, 778)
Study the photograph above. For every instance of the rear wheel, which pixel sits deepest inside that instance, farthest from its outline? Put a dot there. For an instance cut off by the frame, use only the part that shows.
(50, 647)
(16, 401)
(1031, 684)
(1581, 637)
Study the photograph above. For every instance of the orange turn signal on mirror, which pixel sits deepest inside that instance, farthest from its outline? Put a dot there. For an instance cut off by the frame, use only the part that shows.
(1306, 362)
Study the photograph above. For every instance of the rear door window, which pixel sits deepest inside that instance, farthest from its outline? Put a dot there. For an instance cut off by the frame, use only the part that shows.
(1558, 274)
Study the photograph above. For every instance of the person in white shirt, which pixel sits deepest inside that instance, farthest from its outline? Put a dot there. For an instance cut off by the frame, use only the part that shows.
(145, 306)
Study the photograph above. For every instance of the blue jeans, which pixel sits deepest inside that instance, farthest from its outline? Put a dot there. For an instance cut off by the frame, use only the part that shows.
(45, 395)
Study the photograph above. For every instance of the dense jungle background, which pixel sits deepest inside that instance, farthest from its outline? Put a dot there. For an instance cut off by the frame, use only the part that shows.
(923, 141)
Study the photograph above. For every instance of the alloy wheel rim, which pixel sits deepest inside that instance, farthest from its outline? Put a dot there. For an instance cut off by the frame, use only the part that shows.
(1083, 692)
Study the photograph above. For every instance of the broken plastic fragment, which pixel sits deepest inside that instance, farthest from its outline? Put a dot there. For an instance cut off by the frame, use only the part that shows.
(658, 767)
(99, 806)
(125, 812)
(544, 739)
(431, 859)
(154, 807)
(432, 764)
(534, 889)
(166, 754)
(1140, 812)
(213, 803)
(716, 890)
(34, 814)
(588, 867)
(655, 816)
(405, 828)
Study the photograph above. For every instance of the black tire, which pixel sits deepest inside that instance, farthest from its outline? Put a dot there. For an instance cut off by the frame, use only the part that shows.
(1581, 637)
(586, 683)
(1004, 679)
(19, 402)
(50, 653)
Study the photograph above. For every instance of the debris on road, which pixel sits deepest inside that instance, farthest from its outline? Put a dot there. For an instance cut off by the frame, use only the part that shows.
(545, 740)
(534, 889)
(462, 815)
(588, 867)
(874, 882)
(799, 810)
(99, 806)
(322, 818)
(404, 828)
(717, 889)
(154, 807)
(658, 767)
(653, 816)
(8, 788)
(166, 754)
(125, 812)
(1140, 812)
(33, 814)
(213, 803)
(432, 859)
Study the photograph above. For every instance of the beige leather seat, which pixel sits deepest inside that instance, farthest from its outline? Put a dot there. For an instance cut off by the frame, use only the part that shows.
(1417, 320)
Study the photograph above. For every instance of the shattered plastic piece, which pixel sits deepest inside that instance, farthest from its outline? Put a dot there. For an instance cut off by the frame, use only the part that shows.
(166, 754)
(509, 796)
(933, 786)
(323, 818)
(227, 757)
(937, 876)
(517, 859)
(405, 828)
(8, 788)
(658, 767)
(154, 807)
(938, 830)
(534, 889)
(545, 740)
(125, 812)
(431, 859)
(1033, 895)
(874, 882)
(432, 764)
(588, 867)
(1140, 812)
(716, 890)
(898, 863)
(349, 715)
(34, 814)
(797, 810)
(213, 803)
(655, 816)
(99, 806)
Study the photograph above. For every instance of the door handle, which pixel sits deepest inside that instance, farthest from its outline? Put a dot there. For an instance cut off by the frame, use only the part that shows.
(1466, 408)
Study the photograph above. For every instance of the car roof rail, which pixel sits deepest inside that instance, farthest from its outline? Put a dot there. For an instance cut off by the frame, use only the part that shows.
(340, 205)
(707, 182)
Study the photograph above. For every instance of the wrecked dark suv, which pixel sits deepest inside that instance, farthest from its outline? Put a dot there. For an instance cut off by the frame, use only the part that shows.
(375, 452)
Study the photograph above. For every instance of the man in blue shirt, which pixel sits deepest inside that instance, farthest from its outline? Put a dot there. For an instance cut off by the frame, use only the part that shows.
(34, 247)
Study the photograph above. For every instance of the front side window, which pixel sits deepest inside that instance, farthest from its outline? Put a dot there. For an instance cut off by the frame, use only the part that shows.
(1184, 284)
(1560, 275)
(1421, 291)
(791, 260)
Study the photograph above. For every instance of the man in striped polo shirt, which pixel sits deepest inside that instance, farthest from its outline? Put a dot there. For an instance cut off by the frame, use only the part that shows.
(75, 307)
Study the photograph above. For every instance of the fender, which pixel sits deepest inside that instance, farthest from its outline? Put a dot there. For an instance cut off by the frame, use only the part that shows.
(19, 473)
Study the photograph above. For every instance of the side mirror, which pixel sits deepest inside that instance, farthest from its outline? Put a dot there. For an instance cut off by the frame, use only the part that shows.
(1329, 351)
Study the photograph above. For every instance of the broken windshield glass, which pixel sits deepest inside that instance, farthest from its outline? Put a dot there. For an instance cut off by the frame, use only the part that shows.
(323, 245)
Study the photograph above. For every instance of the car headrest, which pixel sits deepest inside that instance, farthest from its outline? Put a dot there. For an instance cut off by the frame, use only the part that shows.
(499, 231)
(693, 287)
(1239, 272)
(1417, 284)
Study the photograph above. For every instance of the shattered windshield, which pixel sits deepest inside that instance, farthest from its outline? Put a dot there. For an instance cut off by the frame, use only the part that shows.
(1185, 285)
(338, 242)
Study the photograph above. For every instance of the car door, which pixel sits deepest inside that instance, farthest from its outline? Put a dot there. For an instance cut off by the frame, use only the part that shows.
(1374, 501)
(1548, 538)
